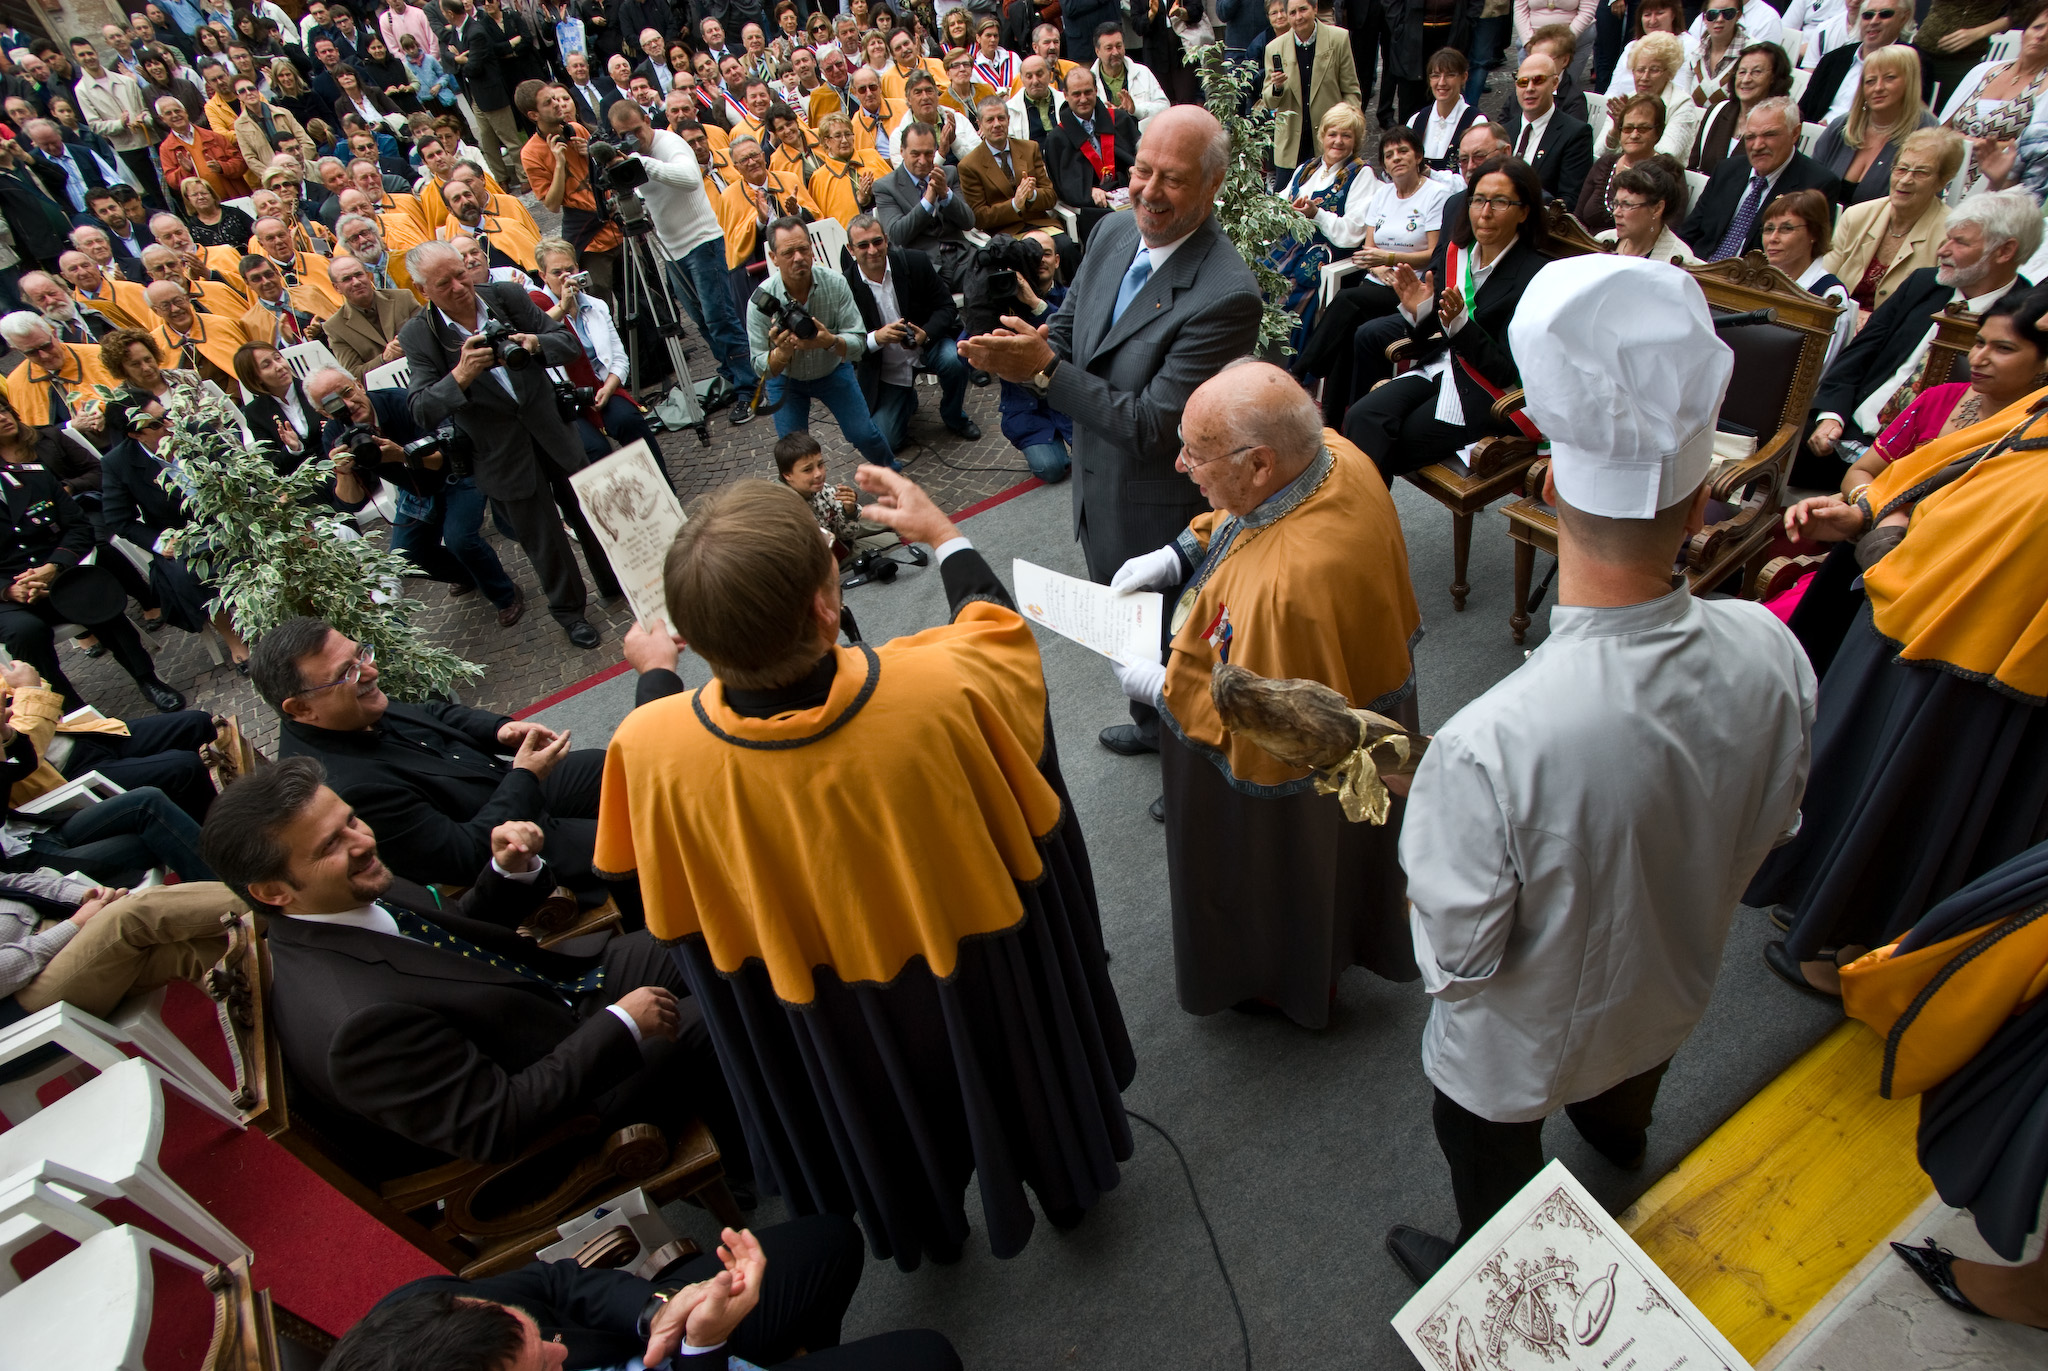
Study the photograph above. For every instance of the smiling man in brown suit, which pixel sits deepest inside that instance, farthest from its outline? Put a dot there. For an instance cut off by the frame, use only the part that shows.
(1005, 180)
(363, 333)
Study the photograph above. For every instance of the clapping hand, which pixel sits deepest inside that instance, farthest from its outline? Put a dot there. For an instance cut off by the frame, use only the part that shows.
(1450, 306)
(901, 504)
(708, 1312)
(1415, 292)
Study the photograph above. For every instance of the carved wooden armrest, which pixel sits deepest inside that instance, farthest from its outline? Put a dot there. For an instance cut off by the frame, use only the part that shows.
(437, 1183)
(1498, 452)
(1398, 350)
(588, 921)
(1771, 454)
(1779, 574)
(1508, 405)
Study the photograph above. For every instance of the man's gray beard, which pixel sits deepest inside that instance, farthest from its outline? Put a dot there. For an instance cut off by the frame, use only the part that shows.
(1964, 279)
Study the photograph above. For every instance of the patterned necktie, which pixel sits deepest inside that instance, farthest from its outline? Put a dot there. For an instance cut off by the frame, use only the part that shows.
(1745, 219)
(433, 935)
(1134, 281)
(1522, 145)
(1008, 170)
(60, 408)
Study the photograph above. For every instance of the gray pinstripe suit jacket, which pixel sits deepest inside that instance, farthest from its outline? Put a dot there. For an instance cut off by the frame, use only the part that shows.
(1126, 385)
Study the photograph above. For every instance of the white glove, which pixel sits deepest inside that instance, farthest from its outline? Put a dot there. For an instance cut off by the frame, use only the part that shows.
(1141, 680)
(1148, 571)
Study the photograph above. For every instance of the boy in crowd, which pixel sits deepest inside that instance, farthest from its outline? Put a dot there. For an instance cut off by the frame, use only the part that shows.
(800, 464)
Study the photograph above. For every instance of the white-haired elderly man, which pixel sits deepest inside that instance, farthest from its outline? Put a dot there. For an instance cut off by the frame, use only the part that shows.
(522, 451)
(83, 169)
(1986, 239)
(1727, 220)
(60, 309)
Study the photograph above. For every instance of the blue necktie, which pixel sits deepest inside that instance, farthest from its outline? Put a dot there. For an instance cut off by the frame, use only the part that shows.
(1745, 219)
(1134, 281)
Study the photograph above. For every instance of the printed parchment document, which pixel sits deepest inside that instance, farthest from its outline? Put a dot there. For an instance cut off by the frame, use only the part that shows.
(1123, 628)
(1551, 1282)
(635, 516)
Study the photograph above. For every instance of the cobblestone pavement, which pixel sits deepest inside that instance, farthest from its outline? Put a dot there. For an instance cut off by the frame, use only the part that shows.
(533, 659)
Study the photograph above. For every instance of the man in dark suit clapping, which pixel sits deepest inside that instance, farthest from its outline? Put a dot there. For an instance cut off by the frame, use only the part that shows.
(421, 1029)
(524, 452)
(1161, 303)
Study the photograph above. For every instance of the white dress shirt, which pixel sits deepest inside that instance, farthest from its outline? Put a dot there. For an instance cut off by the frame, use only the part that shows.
(1578, 837)
(1527, 147)
(899, 363)
(1438, 128)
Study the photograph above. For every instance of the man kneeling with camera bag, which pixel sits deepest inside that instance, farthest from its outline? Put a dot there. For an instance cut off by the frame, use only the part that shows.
(478, 356)
(805, 333)
(440, 518)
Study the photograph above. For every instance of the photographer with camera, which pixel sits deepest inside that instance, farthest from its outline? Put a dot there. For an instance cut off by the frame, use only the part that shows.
(912, 325)
(556, 160)
(477, 356)
(440, 511)
(679, 202)
(596, 395)
(1043, 434)
(806, 332)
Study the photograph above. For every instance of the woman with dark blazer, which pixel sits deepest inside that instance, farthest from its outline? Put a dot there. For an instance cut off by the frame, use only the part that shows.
(1762, 72)
(1498, 248)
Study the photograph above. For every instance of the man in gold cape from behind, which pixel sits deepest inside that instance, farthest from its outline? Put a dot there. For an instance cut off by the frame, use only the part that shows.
(1298, 570)
(875, 885)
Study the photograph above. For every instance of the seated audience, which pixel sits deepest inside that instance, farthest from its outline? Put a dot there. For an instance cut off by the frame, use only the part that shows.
(954, 130)
(418, 1028)
(1504, 238)
(920, 205)
(1036, 104)
(1091, 152)
(201, 341)
(57, 381)
(363, 333)
(1726, 218)
(1005, 180)
(1658, 59)
(71, 942)
(911, 326)
(1558, 146)
(273, 319)
(1797, 238)
(1646, 200)
(755, 198)
(135, 360)
(1985, 240)
(1762, 72)
(162, 751)
(1858, 148)
(1838, 68)
(761, 1299)
(432, 777)
(1880, 242)
(1336, 191)
(844, 183)
(1637, 133)
(1125, 84)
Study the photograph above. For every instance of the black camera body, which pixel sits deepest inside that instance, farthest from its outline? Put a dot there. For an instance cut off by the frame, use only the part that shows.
(612, 170)
(361, 442)
(787, 315)
(506, 350)
(992, 285)
(572, 400)
(456, 449)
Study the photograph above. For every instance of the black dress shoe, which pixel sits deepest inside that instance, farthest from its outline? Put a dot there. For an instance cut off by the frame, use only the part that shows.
(742, 411)
(582, 634)
(968, 429)
(1419, 1254)
(1936, 1266)
(457, 591)
(1125, 740)
(155, 625)
(166, 700)
(979, 377)
(1158, 810)
(1786, 967)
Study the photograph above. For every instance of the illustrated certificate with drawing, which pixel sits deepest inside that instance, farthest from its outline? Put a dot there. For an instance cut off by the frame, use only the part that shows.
(1552, 1282)
(635, 516)
(1123, 628)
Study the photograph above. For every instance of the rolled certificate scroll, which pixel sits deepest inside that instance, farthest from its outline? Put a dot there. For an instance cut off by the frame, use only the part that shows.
(1307, 724)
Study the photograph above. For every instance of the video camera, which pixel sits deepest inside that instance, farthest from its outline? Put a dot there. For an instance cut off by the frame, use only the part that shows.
(611, 170)
(787, 315)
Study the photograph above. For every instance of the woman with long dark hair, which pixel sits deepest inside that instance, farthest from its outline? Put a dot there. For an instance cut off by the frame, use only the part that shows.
(1459, 333)
(385, 73)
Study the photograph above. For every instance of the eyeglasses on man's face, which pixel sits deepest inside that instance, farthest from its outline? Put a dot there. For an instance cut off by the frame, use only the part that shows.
(366, 656)
(1533, 82)
(1187, 460)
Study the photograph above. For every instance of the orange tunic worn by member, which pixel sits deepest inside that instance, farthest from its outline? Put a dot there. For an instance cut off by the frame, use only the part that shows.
(121, 302)
(29, 387)
(740, 216)
(833, 186)
(876, 868)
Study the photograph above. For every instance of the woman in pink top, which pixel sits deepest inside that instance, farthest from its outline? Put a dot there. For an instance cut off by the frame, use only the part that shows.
(404, 17)
(1531, 15)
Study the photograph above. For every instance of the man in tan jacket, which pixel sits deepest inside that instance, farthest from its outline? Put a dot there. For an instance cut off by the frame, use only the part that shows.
(262, 130)
(1005, 180)
(1310, 63)
(363, 333)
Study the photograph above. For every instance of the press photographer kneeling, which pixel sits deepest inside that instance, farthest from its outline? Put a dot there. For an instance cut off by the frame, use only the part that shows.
(805, 333)
(440, 511)
(912, 326)
(1020, 277)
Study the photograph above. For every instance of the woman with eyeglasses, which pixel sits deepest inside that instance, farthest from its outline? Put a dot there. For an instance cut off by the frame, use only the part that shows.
(1647, 200)
(1638, 130)
(1797, 234)
(1333, 191)
(1762, 72)
(1879, 243)
(1995, 102)
(1657, 16)
(1458, 317)
(1859, 147)
(1658, 58)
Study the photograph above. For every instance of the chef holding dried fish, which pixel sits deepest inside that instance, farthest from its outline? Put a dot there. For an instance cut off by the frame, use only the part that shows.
(1577, 838)
(1298, 570)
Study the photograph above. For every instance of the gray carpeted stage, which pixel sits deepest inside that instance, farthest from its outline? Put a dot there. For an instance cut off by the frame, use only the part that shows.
(1305, 1146)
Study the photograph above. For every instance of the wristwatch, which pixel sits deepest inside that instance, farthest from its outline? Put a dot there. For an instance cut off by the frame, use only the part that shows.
(1042, 382)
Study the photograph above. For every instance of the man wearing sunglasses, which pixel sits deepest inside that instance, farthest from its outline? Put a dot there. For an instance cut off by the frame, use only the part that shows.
(1559, 147)
(1840, 69)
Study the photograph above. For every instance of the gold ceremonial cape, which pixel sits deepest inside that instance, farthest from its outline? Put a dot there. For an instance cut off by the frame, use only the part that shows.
(29, 386)
(1968, 587)
(887, 824)
(1312, 584)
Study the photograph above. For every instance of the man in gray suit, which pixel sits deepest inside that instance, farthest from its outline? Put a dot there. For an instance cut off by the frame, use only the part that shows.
(523, 451)
(921, 207)
(1161, 303)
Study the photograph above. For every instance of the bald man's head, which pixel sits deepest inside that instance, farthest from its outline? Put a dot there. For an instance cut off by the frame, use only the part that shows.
(1246, 433)
(1182, 157)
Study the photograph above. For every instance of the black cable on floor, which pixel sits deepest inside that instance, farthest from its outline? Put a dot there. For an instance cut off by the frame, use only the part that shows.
(1243, 1330)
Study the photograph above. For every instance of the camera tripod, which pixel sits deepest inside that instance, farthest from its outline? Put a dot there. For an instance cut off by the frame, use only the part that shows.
(644, 294)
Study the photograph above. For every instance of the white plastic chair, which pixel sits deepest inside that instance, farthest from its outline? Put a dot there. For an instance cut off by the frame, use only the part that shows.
(139, 558)
(91, 1307)
(1809, 134)
(96, 1042)
(2004, 48)
(1334, 275)
(392, 375)
(307, 358)
(111, 1130)
(1801, 78)
(244, 203)
(828, 236)
(1695, 182)
(1072, 220)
